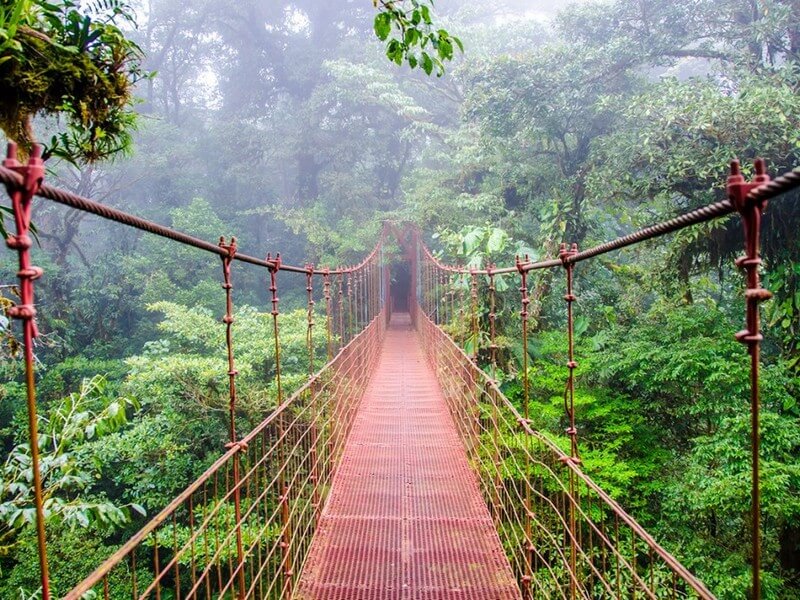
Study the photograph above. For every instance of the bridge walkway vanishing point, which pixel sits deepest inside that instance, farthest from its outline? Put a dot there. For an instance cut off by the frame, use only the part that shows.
(405, 518)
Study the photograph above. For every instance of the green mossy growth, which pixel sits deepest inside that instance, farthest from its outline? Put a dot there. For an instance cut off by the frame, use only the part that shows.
(77, 68)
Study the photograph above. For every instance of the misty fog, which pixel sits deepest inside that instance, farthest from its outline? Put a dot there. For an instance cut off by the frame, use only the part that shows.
(302, 127)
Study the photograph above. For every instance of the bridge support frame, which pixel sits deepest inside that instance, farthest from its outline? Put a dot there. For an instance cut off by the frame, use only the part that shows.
(22, 202)
(751, 211)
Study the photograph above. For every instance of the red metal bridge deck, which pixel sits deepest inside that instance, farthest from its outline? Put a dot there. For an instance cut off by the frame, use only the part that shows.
(405, 518)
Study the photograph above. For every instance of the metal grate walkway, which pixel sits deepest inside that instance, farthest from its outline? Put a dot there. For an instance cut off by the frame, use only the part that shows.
(405, 518)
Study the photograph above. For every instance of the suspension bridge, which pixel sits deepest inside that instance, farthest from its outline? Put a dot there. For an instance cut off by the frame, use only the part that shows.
(399, 470)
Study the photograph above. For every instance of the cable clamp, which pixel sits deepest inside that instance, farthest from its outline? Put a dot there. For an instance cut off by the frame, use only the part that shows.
(565, 254)
(738, 188)
(746, 337)
(521, 265)
(759, 294)
(19, 242)
(31, 273)
(229, 247)
(274, 263)
(744, 262)
(23, 312)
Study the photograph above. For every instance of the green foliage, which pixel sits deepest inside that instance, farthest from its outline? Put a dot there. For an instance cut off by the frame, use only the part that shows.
(20, 580)
(416, 39)
(663, 416)
(783, 315)
(183, 274)
(688, 131)
(57, 381)
(193, 347)
(64, 430)
(9, 346)
(182, 383)
(706, 504)
(477, 247)
(615, 115)
(617, 447)
(690, 393)
(71, 60)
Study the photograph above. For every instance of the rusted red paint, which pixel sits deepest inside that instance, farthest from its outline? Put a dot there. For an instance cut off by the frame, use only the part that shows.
(751, 210)
(408, 509)
(405, 517)
(22, 194)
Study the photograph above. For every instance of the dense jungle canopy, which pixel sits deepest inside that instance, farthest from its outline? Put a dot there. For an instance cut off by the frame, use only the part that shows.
(300, 126)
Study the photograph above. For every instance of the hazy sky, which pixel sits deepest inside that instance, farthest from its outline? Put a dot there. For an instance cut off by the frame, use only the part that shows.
(534, 9)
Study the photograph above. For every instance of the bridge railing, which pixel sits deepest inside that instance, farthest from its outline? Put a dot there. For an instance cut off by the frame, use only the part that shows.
(244, 527)
(202, 545)
(564, 536)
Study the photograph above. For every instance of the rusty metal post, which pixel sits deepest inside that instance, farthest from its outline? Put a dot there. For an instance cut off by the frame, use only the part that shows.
(569, 394)
(474, 313)
(310, 328)
(527, 579)
(371, 295)
(228, 319)
(356, 309)
(370, 285)
(273, 288)
(349, 306)
(326, 287)
(358, 300)
(433, 286)
(230, 248)
(442, 303)
(314, 477)
(368, 309)
(425, 290)
(386, 301)
(569, 407)
(286, 542)
(751, 212)
(340, 293)
(442, 297)
(452, 293)
(462, 312)
(377, 284)
(362, 301)
(493, 347)
(436, 293)
(367, 298)
(286, 538)
(381, 274)
(22, 203)
(426, 286)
